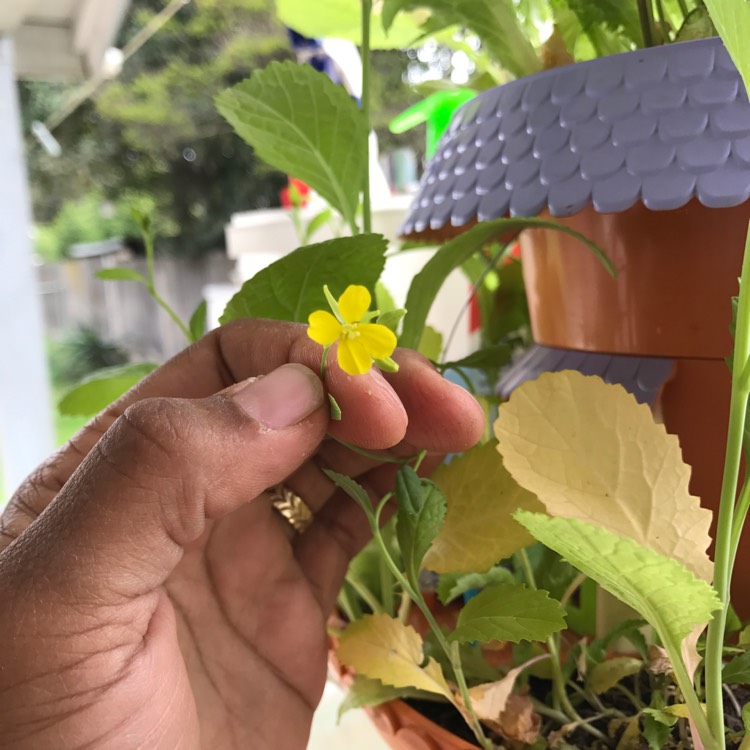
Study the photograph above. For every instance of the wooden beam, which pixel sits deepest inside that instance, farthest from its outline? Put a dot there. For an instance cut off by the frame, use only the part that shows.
(47, 53)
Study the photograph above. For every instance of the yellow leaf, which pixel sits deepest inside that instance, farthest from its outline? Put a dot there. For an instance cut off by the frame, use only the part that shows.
(590, 452)
(478, 529)
(385, 649)
(489, 700)
(608, 673)
(630, 739)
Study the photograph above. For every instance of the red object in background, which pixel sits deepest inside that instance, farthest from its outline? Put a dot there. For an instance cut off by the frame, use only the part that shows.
(303, 191)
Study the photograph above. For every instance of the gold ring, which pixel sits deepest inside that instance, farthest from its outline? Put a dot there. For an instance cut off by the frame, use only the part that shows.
(292, 507)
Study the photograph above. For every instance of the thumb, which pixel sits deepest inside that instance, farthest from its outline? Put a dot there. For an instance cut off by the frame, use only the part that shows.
(119, 525)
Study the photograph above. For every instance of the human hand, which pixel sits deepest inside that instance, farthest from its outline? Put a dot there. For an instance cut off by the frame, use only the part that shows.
(151, 595)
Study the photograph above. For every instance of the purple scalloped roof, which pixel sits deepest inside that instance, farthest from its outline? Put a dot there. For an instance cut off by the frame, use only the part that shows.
(660, 125)
(641, 376)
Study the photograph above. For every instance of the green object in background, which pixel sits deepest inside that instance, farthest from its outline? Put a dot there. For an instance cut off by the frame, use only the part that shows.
(436, 110)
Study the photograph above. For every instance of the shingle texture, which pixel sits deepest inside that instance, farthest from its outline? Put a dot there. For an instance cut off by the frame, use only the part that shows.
(661, 126)
(641, 376)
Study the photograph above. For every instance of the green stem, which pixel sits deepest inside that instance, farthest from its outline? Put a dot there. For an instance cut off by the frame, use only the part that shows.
(172, 314)
(374, 456)
(662, 20)
(449, 651)
(366, 201)
(345, 604)
(683, 9)
(738, 522)
(711, 739)
(148, 242)
(644, 13)
(725, 523)
(560, 695)
(365, 594)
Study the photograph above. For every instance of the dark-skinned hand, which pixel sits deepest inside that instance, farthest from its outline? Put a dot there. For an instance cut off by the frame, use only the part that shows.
(152, 597)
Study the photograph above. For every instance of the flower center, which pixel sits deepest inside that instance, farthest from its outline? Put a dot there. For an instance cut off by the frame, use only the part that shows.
(349, 331)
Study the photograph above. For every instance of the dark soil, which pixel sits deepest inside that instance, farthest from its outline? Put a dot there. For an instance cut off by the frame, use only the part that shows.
(450, 719)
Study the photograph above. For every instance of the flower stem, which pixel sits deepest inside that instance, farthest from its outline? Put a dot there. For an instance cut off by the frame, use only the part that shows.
(366, 201)
(726, 531)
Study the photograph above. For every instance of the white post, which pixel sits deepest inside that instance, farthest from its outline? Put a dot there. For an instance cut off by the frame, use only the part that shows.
(25, 405)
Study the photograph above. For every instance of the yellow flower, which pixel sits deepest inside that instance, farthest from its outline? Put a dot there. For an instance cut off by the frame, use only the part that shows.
(360, 342)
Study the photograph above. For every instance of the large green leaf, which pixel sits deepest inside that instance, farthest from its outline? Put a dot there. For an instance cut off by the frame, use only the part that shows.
(292, 287)
(664, 592)
(495, 22)
(427, 282)
(101, 388)
(421, 510)
(732, 20)
(509, 612)
(303, 124)
(342, 19)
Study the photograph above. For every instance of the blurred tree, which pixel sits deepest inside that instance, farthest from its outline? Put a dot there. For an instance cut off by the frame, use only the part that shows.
(155, 131)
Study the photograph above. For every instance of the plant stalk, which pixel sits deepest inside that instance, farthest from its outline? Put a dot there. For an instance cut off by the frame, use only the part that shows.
(725, 523)
(366, 199)
(148, 242)
(647, 28)
(450, 652)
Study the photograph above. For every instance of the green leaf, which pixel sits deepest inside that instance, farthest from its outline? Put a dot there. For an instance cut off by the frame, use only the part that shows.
(495, 22)
(746, 717)
(612, 15)
(737, 671)
(101, 388)
(317, 222)
(427, 282)
(655, 731)
(121, 274)
(142, 220)
(662, 716)
(421, 510)
(292, 287)
(509, 613)
(430, 343)
(341, 19)
(667, 595)
(303, 124)
(392, 318)
(384, 301)
(496, 355)
(197, 325)
(453, 585)
(732, 20)
(606, 675)
(355, 491)
(365, 691)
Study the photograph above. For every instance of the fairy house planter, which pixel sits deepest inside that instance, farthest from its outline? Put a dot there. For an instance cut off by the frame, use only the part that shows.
(646, 153)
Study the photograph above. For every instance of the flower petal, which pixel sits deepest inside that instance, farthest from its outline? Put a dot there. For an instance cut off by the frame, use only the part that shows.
(378, 340)
(353, 357)
(323, 328)
(354, 303)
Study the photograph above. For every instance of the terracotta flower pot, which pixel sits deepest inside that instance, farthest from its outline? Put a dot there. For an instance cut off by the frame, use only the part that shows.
(648, 155)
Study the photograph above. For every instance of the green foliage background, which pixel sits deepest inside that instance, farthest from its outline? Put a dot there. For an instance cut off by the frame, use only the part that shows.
(154, 136)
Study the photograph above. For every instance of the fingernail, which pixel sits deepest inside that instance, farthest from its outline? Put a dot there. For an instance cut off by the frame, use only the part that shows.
(282, 398)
